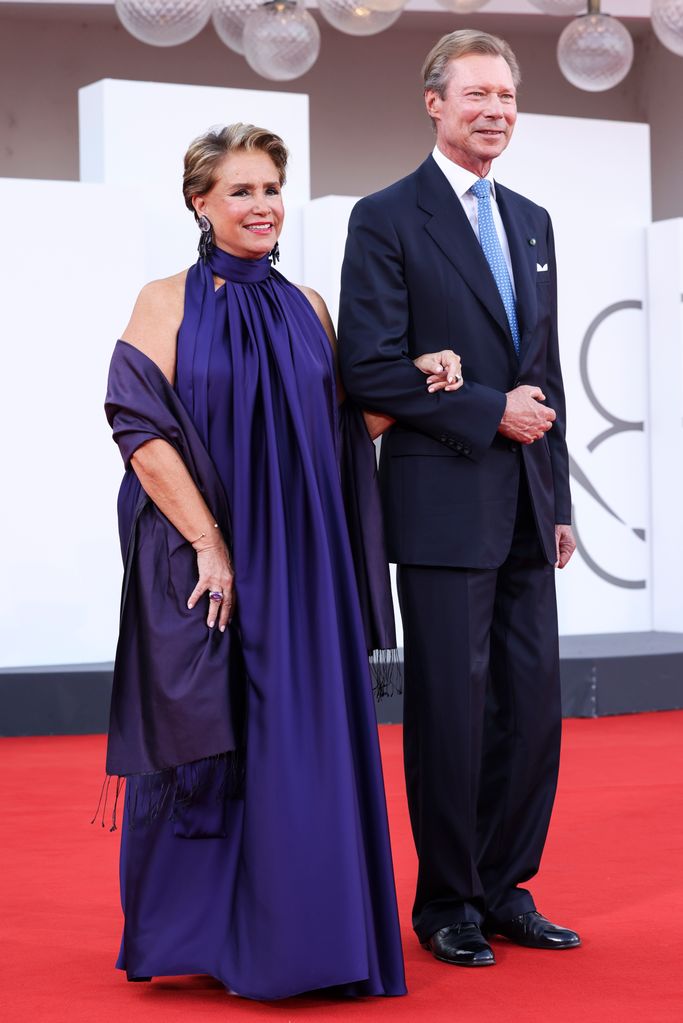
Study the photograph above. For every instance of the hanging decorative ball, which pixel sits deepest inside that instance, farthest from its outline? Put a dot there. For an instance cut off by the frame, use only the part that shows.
(387, 6)
(229, 18)
(357, 18)
(565, 7)
(281, 40)
(595, 52)
(462, 6)
(667, 22)
(163, 22)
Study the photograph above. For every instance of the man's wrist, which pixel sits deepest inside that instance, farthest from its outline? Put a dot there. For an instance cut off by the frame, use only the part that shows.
(505, 409)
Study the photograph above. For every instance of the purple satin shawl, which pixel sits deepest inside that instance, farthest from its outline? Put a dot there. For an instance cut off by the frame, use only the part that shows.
(178, 686)
(171, 702)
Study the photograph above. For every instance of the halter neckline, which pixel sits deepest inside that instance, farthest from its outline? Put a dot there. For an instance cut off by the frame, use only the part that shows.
(236, 269)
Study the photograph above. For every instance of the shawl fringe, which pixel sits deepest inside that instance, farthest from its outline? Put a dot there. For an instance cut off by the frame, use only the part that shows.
(387, 674)
(170, 793)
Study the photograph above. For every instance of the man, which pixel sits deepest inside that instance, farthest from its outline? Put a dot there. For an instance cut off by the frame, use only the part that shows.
(475, 487)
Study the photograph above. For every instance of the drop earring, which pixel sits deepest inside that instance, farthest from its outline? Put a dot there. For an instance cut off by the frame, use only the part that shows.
(274, 254)
(205, 237)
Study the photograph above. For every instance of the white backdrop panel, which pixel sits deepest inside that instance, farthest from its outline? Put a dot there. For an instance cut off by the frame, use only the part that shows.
(59, 561)
(325, 222)
(665, 265)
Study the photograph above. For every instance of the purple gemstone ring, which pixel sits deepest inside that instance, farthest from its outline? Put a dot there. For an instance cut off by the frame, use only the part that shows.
(216, 595)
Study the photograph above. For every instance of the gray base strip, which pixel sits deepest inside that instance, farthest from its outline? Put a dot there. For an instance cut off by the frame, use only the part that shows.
(65, 699)
(621, 673)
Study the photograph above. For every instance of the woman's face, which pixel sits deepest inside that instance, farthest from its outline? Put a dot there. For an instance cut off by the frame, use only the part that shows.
(245, 205)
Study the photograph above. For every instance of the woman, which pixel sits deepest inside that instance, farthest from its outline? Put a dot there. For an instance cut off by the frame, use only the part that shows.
(256, 847)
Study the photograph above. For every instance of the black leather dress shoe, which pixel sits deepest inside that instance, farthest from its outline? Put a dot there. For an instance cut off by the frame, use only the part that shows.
(462, 944)
(533, 931)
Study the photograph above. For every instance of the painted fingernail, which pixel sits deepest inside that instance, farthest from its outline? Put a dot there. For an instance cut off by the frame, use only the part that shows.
(211, 625)
(222, 628)
(190, 605)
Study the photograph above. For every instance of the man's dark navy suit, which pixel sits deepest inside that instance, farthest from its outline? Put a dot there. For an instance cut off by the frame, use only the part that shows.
(470, 519)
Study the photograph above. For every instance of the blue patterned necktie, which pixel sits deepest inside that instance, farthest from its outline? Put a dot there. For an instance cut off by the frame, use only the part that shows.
(490, 243)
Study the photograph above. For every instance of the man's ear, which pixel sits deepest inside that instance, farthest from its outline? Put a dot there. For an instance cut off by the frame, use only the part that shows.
(433, 104)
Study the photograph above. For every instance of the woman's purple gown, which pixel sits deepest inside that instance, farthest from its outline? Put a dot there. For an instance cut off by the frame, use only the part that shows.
(289, 887)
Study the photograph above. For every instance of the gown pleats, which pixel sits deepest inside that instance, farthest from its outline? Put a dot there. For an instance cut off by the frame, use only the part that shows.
(287, 887)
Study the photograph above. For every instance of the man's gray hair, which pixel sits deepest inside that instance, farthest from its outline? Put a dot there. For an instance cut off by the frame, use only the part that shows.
(436, 68)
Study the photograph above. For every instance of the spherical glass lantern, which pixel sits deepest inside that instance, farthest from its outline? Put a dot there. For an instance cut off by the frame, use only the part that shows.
(163, 22)
(229, 18)
(281, 40)
(565, 7)
(595, 52)
(387, 5)
(356, 18)
(463, 6)
(667, 22)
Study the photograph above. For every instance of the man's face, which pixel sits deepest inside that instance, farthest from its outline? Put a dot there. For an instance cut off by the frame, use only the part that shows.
(476, 117)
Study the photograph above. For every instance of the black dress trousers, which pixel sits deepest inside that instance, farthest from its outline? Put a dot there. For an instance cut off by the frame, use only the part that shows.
(482, 723)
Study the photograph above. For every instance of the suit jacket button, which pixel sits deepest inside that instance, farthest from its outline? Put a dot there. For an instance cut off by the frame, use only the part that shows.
(513, 446)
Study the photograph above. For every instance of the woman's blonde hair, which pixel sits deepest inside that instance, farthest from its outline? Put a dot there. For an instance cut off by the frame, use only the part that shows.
(207, 152)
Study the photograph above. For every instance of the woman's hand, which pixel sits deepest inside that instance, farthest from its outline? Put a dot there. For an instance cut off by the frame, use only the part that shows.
(442, 369)
(215, 576)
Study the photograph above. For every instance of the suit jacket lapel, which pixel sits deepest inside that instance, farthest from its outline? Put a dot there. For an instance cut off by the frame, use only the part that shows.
(519, 229)
(449, 227)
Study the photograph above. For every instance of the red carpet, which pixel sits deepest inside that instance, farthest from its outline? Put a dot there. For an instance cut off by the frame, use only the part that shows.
(613, 869)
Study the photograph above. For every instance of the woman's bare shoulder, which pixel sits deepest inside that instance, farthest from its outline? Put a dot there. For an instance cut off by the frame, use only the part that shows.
(154, 322)
(321, 310)
(316, 300)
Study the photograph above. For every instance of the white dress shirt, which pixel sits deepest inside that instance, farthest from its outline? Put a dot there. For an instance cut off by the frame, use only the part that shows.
(461, 181)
